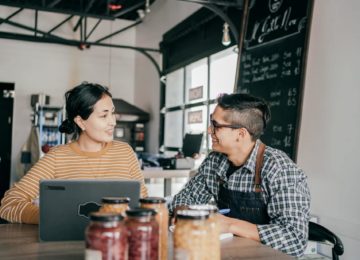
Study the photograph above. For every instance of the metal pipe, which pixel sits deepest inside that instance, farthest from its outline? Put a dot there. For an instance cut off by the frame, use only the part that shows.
(119, 31)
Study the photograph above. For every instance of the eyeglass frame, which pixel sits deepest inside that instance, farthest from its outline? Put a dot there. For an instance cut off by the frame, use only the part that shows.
(215, 125)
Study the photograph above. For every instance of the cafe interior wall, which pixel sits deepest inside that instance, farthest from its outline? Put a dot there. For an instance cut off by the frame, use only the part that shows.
(163, 16)
(329, 136)
(52, 69)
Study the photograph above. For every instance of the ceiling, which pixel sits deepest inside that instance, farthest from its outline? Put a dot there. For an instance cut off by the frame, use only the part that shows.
(76, 13)
(104, 9)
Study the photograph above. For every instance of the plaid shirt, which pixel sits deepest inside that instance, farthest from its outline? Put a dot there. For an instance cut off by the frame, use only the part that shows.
(285, 192)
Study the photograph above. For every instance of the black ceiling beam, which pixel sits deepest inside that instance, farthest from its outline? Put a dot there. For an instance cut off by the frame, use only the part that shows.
(40, 7)
(119, 31)
(58, 40)
(85, 29)
(128, 9)
(93, 29)
(78, 24)
(53, 3)
(36, 22)
(27, 28)
(227, 3)
(91, 3)
(57, 26)
(11, 16)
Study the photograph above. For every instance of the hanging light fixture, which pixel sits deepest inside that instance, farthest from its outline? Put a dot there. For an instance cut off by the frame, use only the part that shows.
(147, 6)
(141, 13)
(226, 40)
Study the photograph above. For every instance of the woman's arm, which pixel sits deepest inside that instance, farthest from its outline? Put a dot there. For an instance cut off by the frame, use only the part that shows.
(19, 204)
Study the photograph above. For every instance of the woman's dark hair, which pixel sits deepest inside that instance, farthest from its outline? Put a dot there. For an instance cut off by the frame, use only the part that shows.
(251, 112)
(80, 101)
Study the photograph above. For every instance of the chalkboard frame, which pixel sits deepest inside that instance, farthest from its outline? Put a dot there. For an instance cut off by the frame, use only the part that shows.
(245, 47)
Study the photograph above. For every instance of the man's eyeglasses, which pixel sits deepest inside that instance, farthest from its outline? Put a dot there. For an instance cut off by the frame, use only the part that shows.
(215, 125)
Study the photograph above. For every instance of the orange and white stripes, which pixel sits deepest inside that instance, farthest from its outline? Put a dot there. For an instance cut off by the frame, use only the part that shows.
(116, 161)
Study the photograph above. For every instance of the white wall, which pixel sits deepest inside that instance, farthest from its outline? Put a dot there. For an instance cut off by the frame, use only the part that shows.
(330, 136)
(53, 69)
(164, 15)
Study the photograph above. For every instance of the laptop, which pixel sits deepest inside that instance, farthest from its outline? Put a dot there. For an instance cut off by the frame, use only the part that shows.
(65, 205)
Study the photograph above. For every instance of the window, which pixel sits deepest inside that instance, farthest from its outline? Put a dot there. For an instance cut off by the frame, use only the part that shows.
(190, 94)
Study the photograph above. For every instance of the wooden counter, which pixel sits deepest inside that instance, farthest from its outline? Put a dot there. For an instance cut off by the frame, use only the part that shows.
(20, 241)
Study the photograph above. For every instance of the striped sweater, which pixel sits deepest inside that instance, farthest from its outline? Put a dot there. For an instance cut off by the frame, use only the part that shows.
(115, 161)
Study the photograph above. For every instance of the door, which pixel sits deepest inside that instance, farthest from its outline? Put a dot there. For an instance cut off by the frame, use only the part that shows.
(7, 94)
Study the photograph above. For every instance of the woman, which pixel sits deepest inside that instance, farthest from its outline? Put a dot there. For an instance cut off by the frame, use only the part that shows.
(92, 154)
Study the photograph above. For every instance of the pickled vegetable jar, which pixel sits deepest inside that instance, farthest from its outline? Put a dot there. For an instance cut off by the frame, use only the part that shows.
(162, 217)
(106, 237)
(214, 233)
(191, 235)
(115, 204)
(143, 234)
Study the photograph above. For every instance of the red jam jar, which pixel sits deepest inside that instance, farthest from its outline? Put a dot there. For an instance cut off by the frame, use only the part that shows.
(106, 237)
(143, 234)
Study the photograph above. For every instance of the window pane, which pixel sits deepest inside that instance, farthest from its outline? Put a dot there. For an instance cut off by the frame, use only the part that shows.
(173, 129)
(222, 72)
(174, 88)
(195, 122)
(196, 81)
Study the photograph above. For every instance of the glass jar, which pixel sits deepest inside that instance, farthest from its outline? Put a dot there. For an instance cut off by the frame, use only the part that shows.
(143, 234)
(106, 237)
(115, 204)
(191, 235)
(214, 233)
(162, 217)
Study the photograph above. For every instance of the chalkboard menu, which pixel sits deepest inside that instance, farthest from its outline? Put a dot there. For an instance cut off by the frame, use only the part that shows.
(272, 63)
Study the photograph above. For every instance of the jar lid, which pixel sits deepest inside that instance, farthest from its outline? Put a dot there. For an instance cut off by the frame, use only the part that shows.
(192, 214)
(140, 212)
(152, 200)
(104, 217)
(115, 200)
(206, 207)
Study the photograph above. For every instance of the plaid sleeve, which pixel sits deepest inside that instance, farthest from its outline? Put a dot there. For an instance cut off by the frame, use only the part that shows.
(288, 208)
(199, 189)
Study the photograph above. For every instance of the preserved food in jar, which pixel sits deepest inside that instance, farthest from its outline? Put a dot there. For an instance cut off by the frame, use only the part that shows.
(162, 217)
(106, 237)
(143, 234)
(191, 235)
(115, 204)
(214, 233)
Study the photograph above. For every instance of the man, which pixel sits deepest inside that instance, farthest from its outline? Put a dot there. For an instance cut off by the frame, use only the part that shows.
(266, 192)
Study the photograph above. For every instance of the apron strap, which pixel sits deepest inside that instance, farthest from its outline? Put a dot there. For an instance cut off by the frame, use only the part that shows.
(258, 166)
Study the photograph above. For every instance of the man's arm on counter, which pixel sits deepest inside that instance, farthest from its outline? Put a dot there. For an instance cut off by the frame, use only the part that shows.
(194, 192)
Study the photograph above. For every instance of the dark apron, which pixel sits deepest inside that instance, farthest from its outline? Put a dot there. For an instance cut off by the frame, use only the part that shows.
(247, 206)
